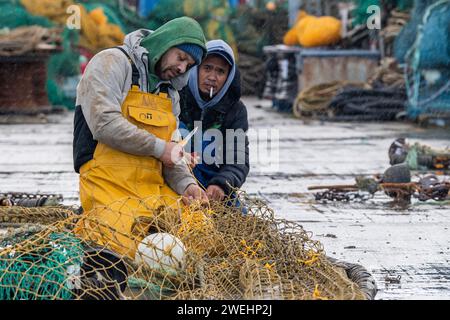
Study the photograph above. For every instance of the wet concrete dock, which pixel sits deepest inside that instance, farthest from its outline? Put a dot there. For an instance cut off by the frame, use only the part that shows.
(407, 249)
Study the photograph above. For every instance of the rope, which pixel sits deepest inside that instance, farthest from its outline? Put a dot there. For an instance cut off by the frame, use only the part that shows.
(41, 215)
(315, 100)
(395, 24)
(388, 74)
(24, 39)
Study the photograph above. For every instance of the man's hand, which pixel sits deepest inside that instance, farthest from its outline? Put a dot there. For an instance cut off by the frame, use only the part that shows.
(215, 193)
(194, 193)
(173, 153)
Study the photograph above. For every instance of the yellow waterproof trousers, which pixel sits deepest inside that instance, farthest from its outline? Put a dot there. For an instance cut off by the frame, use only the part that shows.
(121, 192)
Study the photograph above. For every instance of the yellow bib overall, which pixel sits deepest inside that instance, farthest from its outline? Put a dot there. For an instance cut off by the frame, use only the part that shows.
(118, 189)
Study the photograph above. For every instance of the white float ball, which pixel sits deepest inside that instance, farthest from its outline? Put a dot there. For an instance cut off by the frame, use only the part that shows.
(161, 251)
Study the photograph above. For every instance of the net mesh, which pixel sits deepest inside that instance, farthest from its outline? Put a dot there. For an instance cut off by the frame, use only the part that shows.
(182, 252)
(427, 75)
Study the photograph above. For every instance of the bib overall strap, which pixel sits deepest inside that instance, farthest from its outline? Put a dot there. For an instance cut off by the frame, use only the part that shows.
(135, 75)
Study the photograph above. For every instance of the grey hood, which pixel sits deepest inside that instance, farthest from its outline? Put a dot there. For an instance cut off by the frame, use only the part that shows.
(213, 46)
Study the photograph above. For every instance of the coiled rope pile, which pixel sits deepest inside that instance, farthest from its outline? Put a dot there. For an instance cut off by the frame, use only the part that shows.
(315, 100)
(382, 97)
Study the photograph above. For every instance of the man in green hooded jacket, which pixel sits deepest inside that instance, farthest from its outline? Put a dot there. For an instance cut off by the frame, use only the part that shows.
(157, 62)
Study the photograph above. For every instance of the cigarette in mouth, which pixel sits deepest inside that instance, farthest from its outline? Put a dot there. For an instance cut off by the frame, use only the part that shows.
(211, 92)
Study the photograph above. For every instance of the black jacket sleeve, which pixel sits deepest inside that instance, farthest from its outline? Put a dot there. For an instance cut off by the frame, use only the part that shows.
(236, 148)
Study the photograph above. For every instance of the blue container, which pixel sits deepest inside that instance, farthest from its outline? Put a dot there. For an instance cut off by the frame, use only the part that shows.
(233, 3)
(146, 6)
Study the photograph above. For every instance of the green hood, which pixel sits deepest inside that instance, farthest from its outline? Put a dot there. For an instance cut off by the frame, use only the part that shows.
(175, 32)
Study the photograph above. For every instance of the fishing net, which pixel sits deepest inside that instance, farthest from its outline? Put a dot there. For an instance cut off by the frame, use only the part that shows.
(195, 252)
(96, 31)
(427, 74)
(407, 36)
(13, 15)
(213, 16)
(63, 66)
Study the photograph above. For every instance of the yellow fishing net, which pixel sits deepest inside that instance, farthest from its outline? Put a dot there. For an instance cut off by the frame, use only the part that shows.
(219, 251)
(96, 32)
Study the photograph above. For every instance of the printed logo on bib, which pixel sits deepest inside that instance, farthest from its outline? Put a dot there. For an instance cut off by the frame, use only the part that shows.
(146, 116)
(152, 117)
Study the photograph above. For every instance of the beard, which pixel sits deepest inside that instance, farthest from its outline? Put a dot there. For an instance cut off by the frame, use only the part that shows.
(169, 73)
